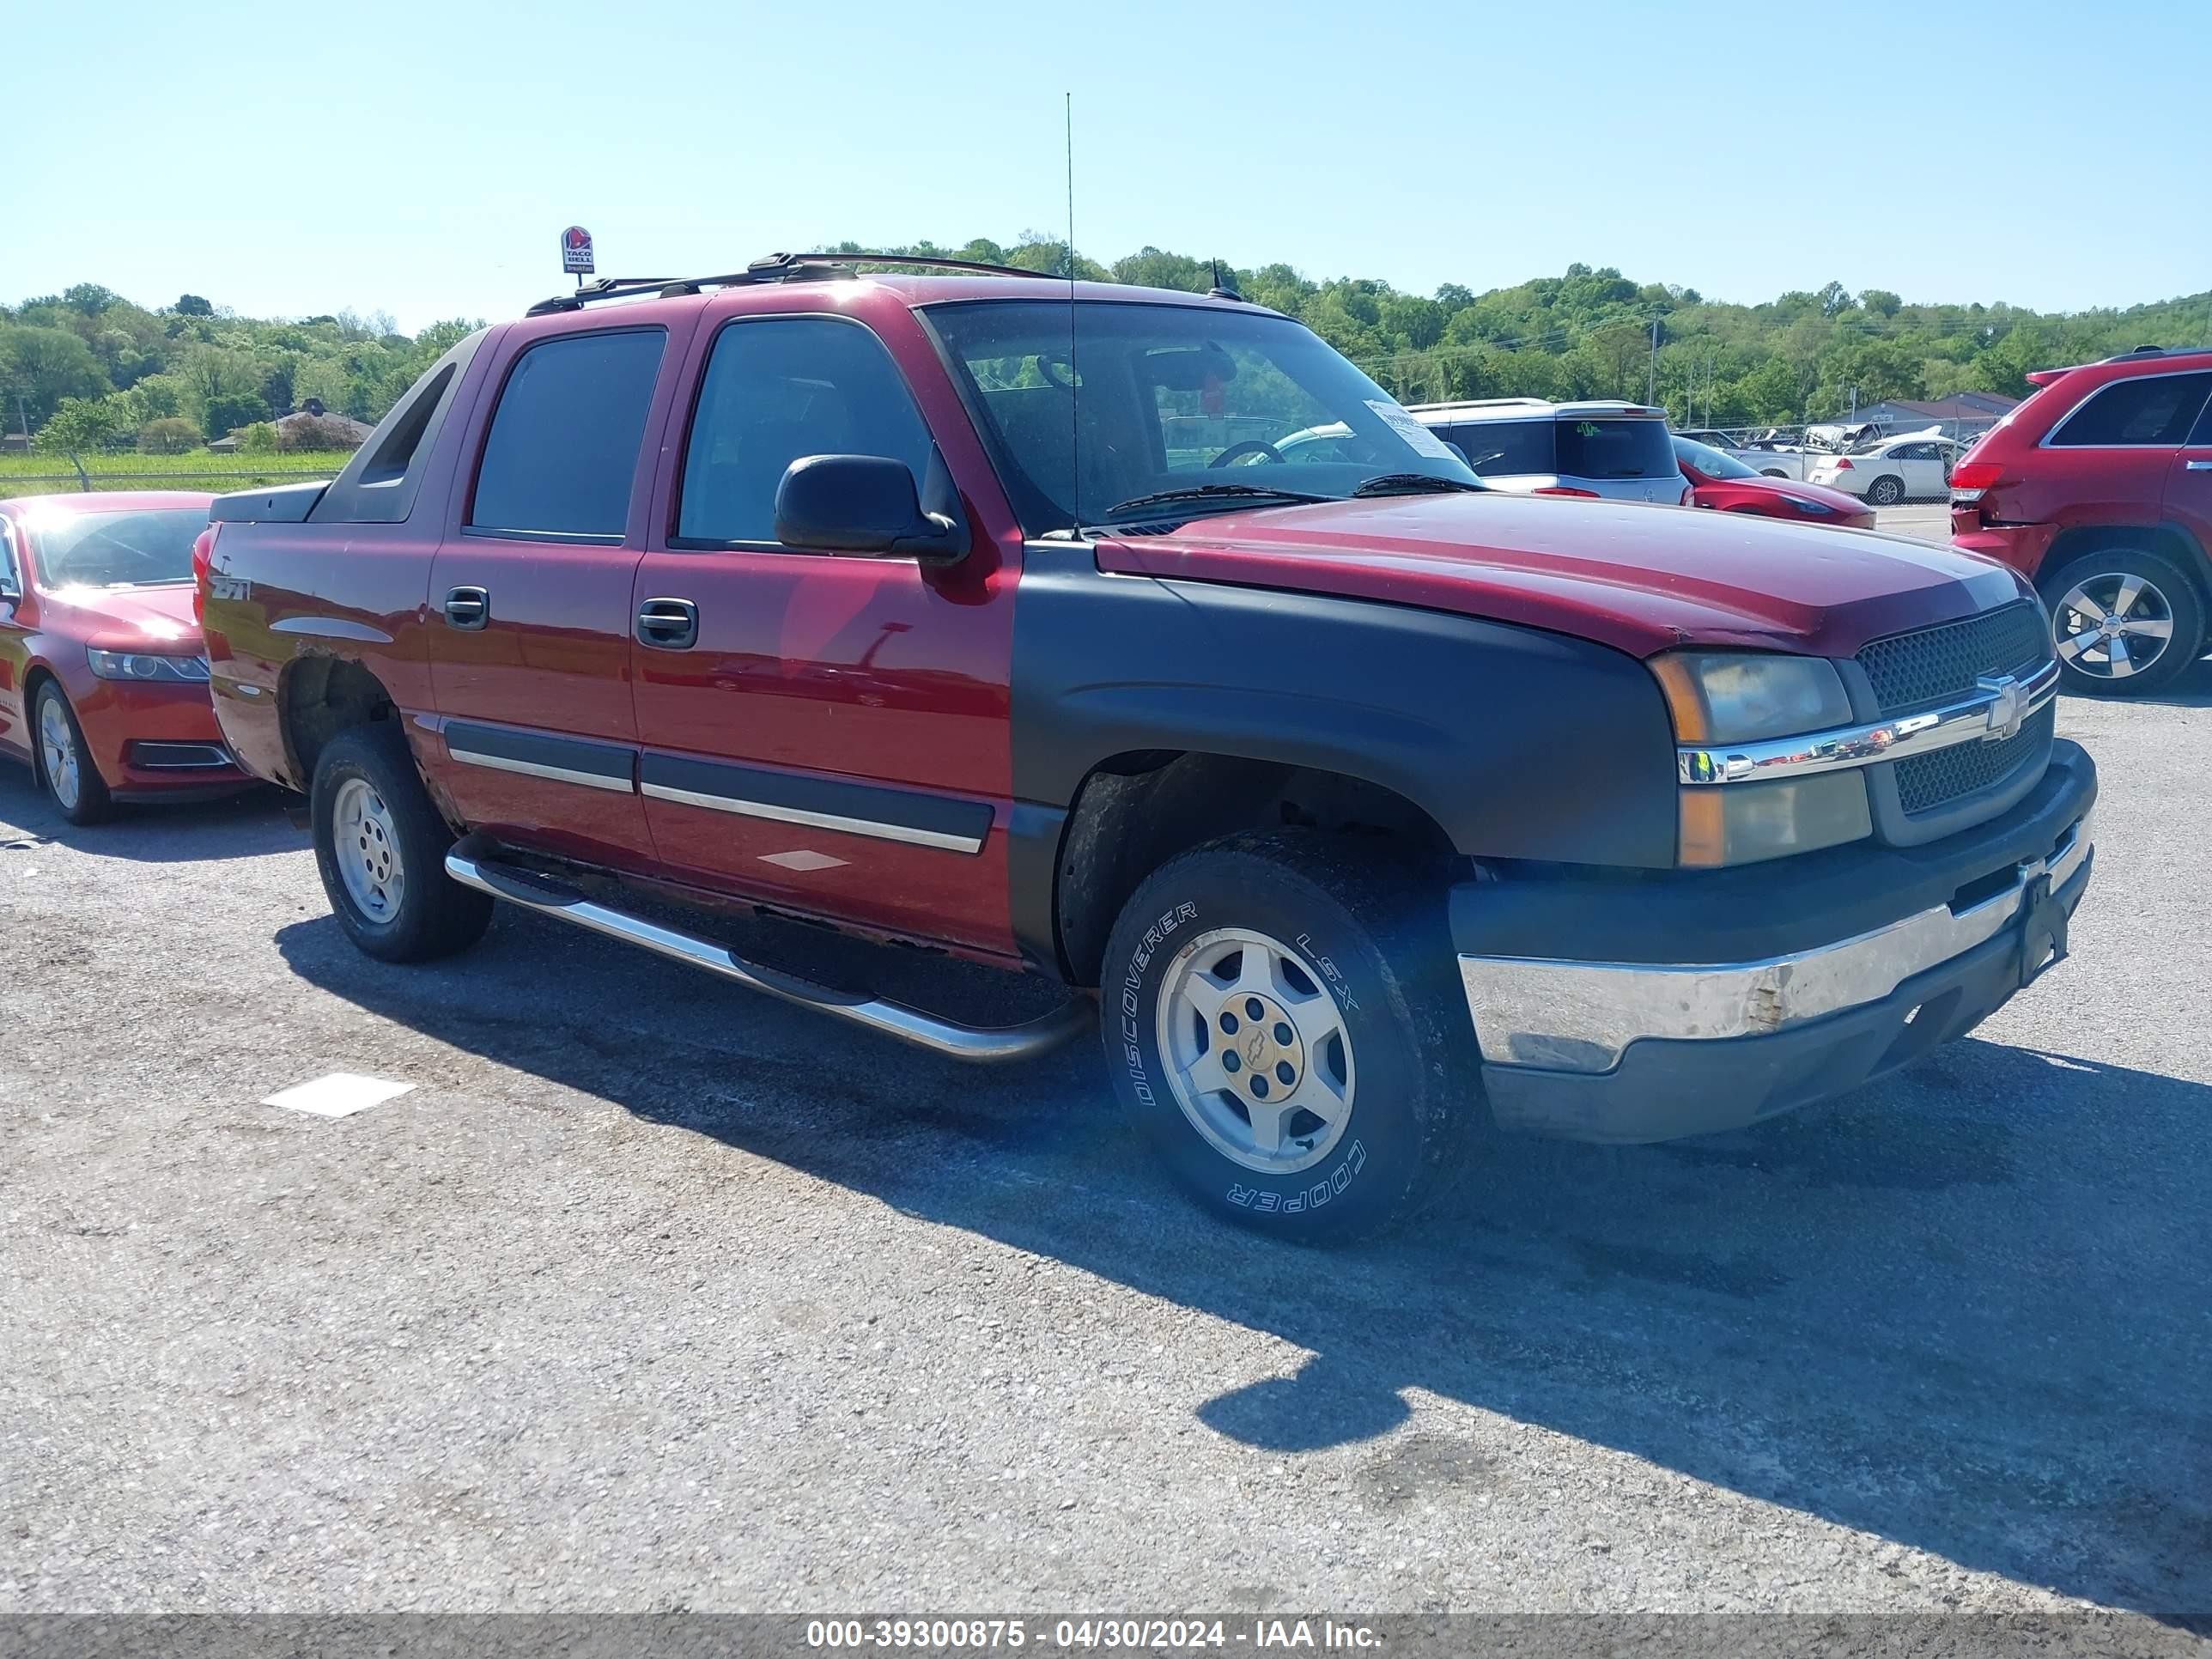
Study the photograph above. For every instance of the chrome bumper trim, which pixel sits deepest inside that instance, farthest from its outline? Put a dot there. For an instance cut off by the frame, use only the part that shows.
(1581, 1016)
(1995, 711)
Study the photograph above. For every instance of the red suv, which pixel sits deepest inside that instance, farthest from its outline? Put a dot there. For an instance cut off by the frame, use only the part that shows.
(2099, 487)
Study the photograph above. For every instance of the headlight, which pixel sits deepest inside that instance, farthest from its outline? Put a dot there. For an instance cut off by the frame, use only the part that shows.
(1817, 510)
(1734, 697)
(1724, 698)
(144, 665)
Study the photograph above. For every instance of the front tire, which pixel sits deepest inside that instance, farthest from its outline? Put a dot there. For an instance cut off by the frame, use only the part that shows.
(1284, 1023)
(381, 846)
(65, 763)
(2126, 621)
(1886, 491)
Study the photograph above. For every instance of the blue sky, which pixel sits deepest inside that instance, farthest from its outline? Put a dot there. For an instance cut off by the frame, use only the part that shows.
(422, 158)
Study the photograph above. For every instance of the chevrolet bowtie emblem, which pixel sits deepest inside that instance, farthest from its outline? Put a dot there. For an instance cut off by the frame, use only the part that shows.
(2007, 702)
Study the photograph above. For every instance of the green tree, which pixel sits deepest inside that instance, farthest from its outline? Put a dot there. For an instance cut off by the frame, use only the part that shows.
(167, 434)
(191, 305)
(43, 366)
(79, 427)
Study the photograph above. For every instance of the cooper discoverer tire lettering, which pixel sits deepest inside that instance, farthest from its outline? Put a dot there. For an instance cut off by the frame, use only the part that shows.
(1283, 1022)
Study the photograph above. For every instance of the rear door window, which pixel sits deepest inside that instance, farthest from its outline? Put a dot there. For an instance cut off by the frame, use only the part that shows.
(2153, 410)
(1614, 449)
(1506, 448)
(563, 446)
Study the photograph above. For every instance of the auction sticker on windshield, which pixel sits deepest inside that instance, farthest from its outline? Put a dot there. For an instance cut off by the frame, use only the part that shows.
(1422, 440)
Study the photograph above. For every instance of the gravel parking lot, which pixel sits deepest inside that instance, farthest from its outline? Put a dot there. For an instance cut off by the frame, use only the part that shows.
(650, 1295)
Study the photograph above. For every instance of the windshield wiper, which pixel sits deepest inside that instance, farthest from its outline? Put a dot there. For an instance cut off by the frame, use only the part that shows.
(1214, 491)
(1417, 483)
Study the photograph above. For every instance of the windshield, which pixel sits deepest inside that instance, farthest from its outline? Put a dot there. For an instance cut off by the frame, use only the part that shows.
(1614, 448)
(1173, 398)
(117, 549)
(1710, 461)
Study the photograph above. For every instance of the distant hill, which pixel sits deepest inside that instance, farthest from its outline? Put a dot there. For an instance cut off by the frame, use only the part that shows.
(1585, 333)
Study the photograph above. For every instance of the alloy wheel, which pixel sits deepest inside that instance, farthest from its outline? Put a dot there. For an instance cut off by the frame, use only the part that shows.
(367, 842)
(1258, 1055)
(57, 751)
(2112, 627)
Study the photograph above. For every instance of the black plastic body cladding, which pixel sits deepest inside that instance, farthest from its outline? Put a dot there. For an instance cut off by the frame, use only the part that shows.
(1519, 744)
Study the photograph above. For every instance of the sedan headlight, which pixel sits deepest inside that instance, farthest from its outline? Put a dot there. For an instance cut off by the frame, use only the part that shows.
(1728, 697)
(146, 666)
(1736, 697)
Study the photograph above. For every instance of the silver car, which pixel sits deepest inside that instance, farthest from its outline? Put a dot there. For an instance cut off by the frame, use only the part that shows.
(1623, 452)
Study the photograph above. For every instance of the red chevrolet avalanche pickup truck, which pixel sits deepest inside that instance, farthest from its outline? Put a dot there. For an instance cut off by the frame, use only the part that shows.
(980, 611)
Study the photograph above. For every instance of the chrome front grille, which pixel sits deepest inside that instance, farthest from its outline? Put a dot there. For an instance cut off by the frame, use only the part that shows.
(1925, 783)
(1936, 665)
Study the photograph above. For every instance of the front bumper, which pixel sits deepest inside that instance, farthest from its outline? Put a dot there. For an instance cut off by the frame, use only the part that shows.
(156, 741)
(1674, 1027)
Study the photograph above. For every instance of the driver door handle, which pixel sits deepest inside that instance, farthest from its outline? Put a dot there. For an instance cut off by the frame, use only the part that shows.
(668, 624)
(468, 608)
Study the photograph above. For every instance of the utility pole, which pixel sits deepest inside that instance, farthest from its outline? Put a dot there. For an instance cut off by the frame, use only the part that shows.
(1651, 379)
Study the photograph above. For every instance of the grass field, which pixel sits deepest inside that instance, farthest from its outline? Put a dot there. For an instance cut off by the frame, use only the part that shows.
(51, 475)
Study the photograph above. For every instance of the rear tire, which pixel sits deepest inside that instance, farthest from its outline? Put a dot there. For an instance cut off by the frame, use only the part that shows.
(66, 765)
(1886, 491)
(1284, 1022)
(381, 846)
(2157, 612)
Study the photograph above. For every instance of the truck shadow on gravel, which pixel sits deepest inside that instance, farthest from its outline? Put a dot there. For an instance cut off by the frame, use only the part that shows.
(1965, 1309)
(243, 825)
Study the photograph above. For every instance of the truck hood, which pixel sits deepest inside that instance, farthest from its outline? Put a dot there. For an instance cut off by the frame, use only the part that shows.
(1640, 578)
(124, 618)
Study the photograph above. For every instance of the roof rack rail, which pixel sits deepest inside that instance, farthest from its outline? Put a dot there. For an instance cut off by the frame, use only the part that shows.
(2157, 351)
(774, 268)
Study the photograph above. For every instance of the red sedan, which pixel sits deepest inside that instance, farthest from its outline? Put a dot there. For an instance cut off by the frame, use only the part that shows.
(103, 677)
(1722, 482)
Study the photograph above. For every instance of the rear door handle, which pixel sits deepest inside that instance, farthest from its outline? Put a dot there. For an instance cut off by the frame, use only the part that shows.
(468, 608)
(2198, 466)
(668, 624)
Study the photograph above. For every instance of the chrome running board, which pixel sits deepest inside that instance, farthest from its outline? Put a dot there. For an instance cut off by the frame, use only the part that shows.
(986, 1045)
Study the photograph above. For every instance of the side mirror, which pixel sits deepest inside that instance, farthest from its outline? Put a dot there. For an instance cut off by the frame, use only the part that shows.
(863, 504)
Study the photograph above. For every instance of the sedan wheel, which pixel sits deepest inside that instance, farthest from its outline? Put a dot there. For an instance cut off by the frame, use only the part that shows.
(64, 764)
(1885, 492)
(57, 749)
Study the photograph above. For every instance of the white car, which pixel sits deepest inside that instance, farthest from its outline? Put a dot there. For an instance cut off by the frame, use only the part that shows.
(1622, 452)
(1912, 466)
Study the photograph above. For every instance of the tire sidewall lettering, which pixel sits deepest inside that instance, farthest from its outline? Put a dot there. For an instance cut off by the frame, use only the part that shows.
(1314, 1189)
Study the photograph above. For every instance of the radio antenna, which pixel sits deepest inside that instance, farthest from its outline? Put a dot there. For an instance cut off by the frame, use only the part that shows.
(1074, 372)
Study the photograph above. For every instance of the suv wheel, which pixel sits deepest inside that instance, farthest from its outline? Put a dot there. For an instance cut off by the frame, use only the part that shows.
(2126, 621)
(65, 765)
(1284, 1023)
(380, 846)
(1886, 491)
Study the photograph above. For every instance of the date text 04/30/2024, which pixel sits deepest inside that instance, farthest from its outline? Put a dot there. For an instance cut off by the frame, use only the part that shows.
(1140, 1634)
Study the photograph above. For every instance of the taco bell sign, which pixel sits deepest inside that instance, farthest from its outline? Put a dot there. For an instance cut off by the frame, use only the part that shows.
(576, 251)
